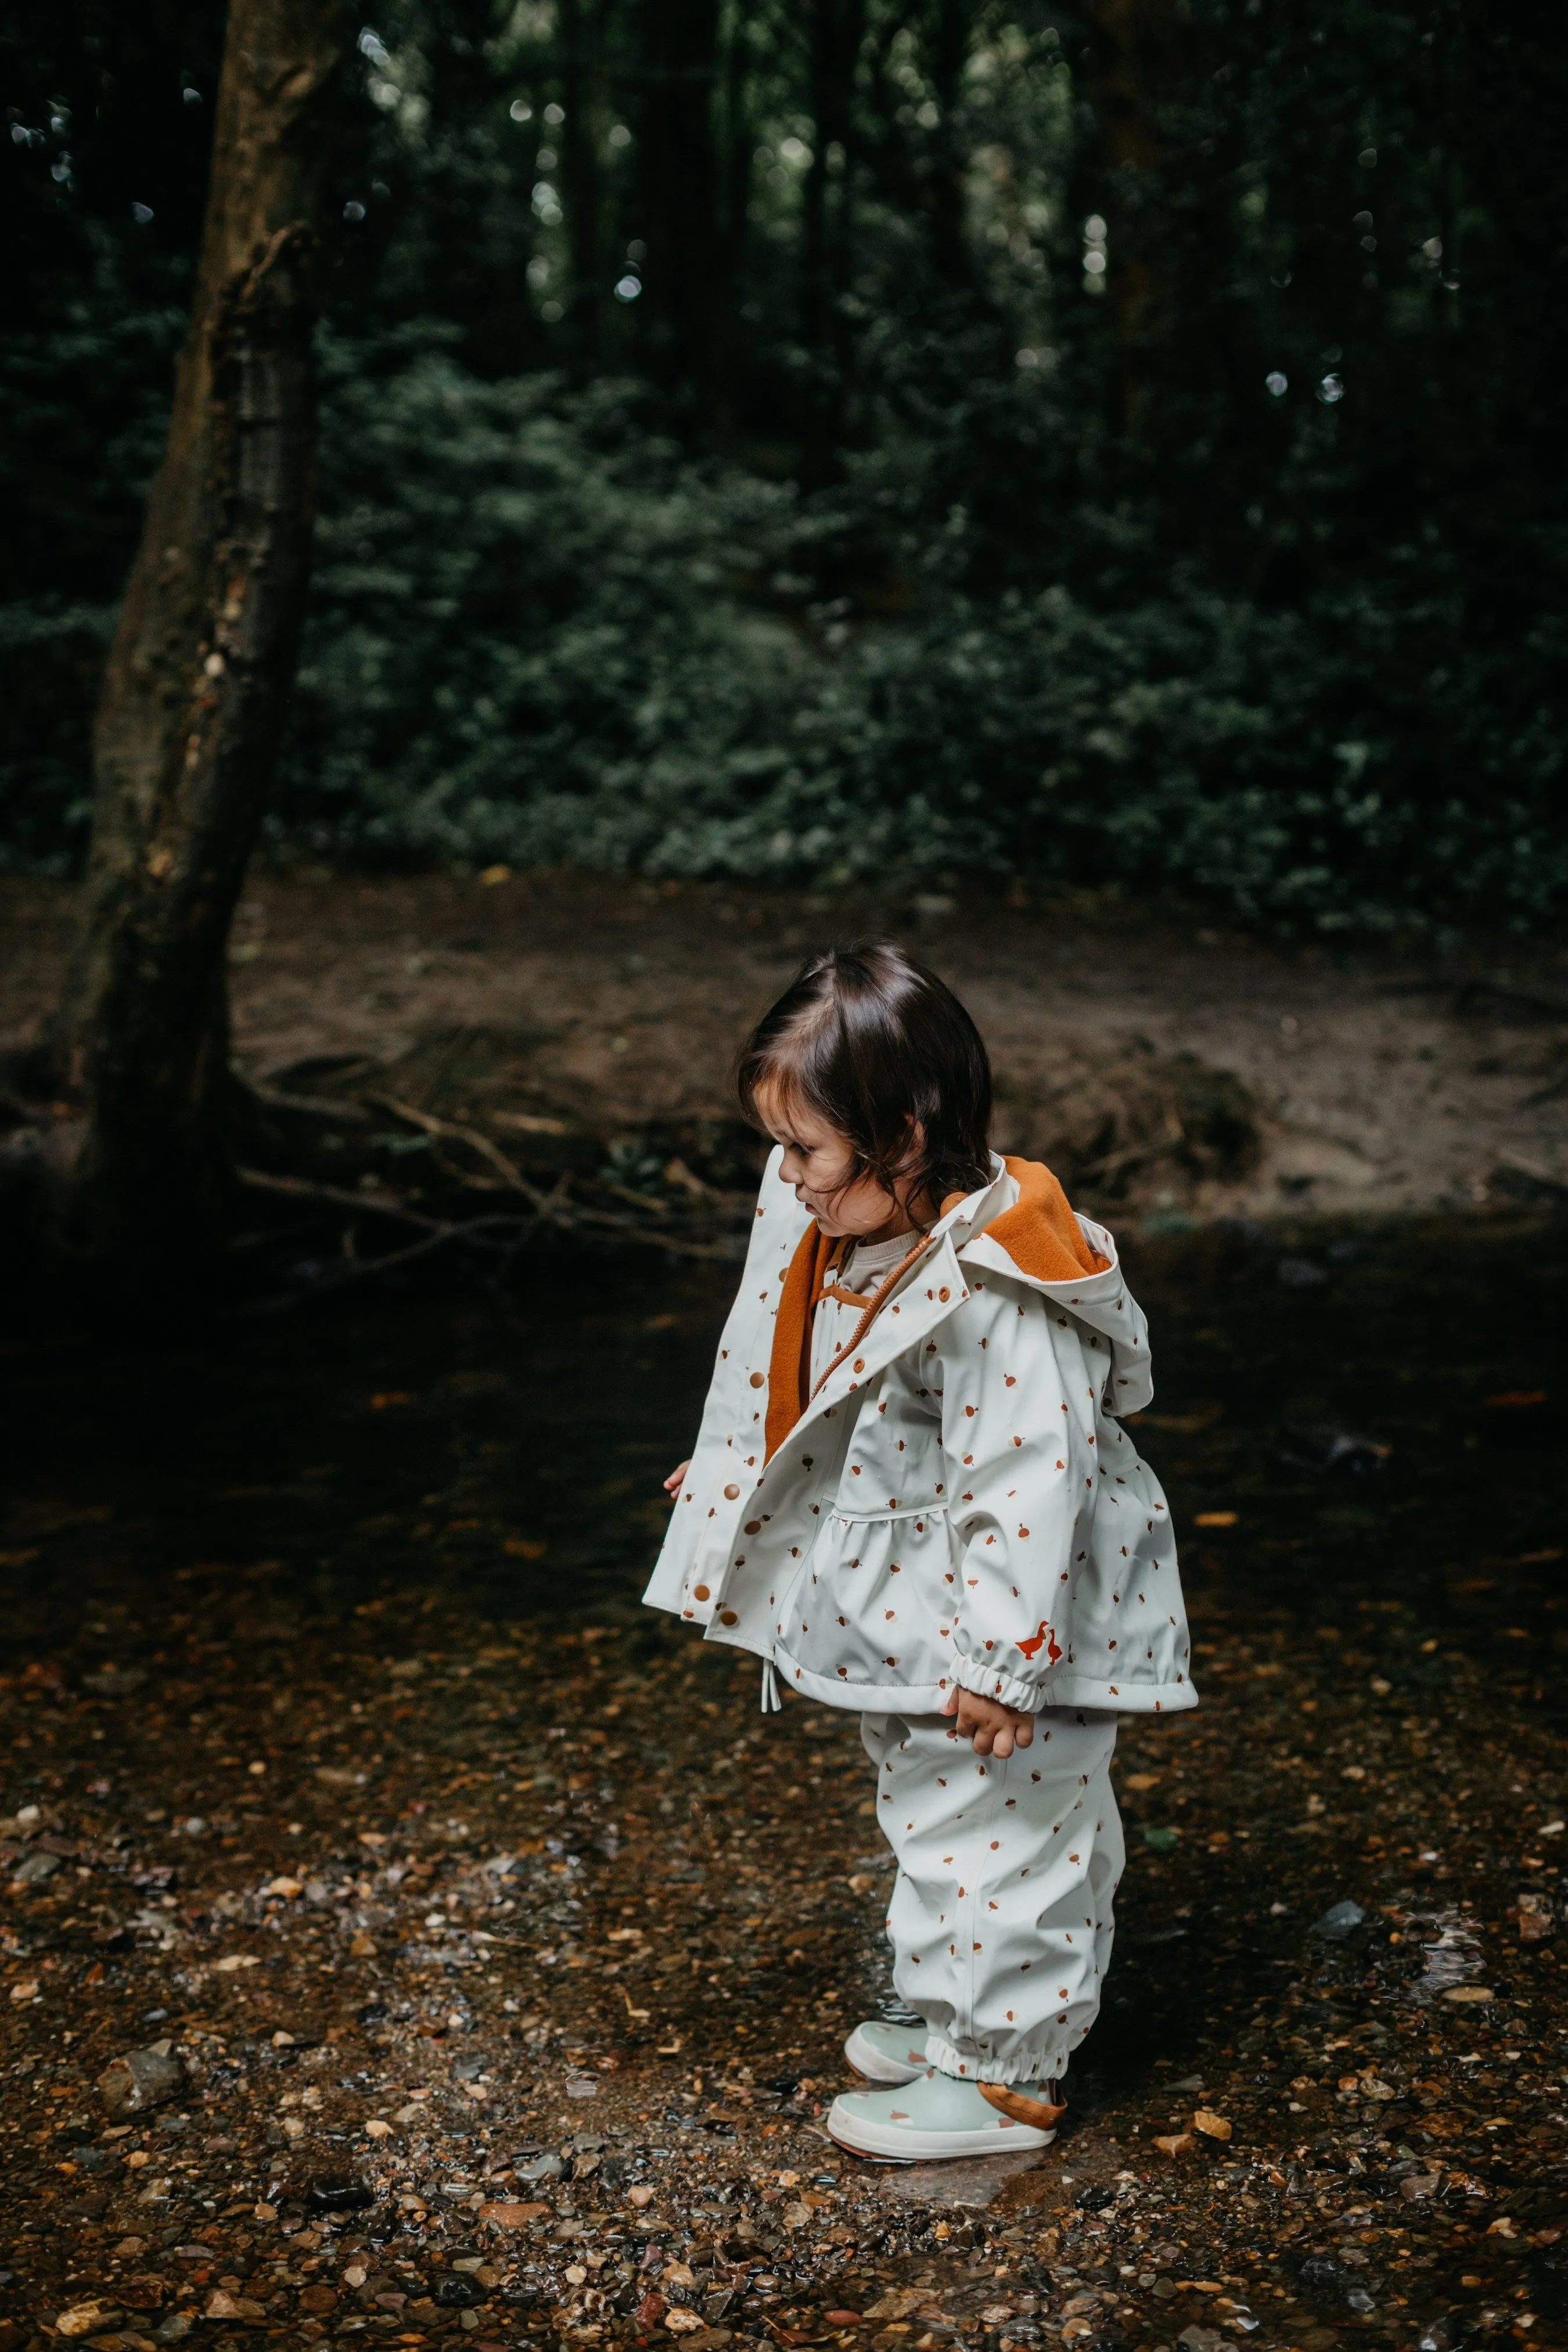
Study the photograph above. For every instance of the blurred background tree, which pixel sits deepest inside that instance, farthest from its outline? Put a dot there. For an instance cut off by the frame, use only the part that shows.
(1113, 441)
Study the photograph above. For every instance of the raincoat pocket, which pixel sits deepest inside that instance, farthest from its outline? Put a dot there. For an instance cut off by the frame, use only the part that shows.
(874, 1603)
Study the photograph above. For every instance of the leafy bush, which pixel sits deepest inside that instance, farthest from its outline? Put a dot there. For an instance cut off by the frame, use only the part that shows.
(539, 634)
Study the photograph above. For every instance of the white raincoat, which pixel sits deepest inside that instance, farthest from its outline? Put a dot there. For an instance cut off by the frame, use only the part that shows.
(958, 1502)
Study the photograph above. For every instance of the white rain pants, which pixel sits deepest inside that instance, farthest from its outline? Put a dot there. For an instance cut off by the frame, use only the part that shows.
(1001, 1916)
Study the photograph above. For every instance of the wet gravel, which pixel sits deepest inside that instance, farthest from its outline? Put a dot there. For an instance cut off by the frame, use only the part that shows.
(380, 1959)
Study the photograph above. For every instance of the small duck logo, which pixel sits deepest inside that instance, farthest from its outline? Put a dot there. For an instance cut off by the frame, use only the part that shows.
(1037, 1642)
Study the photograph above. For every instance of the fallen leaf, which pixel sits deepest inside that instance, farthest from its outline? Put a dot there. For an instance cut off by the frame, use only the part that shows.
(26, 1989)
(897, 2303)
(1213, 2126)
(1173, 2142)
(524, 1548)
(288, 1887)
(377, 2129)
(842, 2318)
(221, 2306)
(1215, 1518)
(1466, 1992)
(86, 2318)
(1141, 1781)
(1501, 2228)
(233, 1960)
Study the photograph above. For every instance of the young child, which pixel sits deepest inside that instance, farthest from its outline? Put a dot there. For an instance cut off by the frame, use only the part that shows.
(911, 1496)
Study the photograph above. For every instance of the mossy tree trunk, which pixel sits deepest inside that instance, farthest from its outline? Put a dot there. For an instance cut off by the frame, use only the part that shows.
(194, 694)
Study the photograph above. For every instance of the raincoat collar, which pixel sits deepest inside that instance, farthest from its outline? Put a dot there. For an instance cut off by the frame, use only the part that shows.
(1022, 1212)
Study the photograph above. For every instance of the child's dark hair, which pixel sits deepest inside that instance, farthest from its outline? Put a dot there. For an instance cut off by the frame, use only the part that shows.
(874, 1043)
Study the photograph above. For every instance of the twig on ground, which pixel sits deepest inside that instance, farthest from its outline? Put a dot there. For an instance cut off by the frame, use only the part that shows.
(554, 1208)
(337, 1196)
(455, 1131)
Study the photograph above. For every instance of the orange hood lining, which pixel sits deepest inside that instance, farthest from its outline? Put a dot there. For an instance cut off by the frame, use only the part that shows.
(1040, 1234)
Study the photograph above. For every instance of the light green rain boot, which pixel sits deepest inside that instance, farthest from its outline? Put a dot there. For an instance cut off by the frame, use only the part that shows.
(888, 2051)
(934, 2116)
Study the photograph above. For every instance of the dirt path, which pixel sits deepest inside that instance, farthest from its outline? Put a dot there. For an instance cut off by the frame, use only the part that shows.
(480, 1959)
(488, 1987)
(1187, 1074)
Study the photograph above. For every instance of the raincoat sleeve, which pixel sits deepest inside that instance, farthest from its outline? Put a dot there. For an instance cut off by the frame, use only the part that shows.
(1018, 1439)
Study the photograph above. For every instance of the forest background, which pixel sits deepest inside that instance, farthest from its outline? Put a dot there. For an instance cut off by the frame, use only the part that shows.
(1114, 442)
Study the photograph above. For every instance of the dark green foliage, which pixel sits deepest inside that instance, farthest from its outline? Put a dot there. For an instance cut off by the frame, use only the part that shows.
(868, 535)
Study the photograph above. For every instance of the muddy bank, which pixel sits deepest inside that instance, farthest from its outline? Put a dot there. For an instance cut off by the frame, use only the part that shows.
(585, 1027)
(489, 1955)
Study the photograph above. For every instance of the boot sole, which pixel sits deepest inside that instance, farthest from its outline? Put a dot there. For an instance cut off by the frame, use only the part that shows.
(876, 2066)
(892, 2145)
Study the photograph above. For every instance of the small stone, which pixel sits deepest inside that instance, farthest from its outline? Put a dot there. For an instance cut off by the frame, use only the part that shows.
(507, 2214)
(641, 2195)
(1341, 1919)
(140, 2080)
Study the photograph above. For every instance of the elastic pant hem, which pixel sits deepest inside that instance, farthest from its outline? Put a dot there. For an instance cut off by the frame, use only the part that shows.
(973, 2067)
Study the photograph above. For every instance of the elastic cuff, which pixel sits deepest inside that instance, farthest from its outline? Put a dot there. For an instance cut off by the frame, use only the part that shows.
(972, 2067)
(1009, 1690)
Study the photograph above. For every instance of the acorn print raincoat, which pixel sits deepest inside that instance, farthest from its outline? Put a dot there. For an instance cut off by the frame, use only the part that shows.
(958, 1501)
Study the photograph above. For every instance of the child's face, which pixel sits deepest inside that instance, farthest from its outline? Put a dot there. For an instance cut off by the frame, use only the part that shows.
(817, 1162)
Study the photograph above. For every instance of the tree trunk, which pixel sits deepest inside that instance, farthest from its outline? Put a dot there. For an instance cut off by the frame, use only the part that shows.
(1142, 61)
(836, 28)
(945, 191)
(582, 30)
(197, 681)
(681, 58)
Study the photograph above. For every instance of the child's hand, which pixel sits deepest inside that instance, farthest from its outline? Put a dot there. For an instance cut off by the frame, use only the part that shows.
(672, 1484)
(996, 1729)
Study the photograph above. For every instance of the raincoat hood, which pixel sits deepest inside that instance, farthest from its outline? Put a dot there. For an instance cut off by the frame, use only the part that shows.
(1021, 1225)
